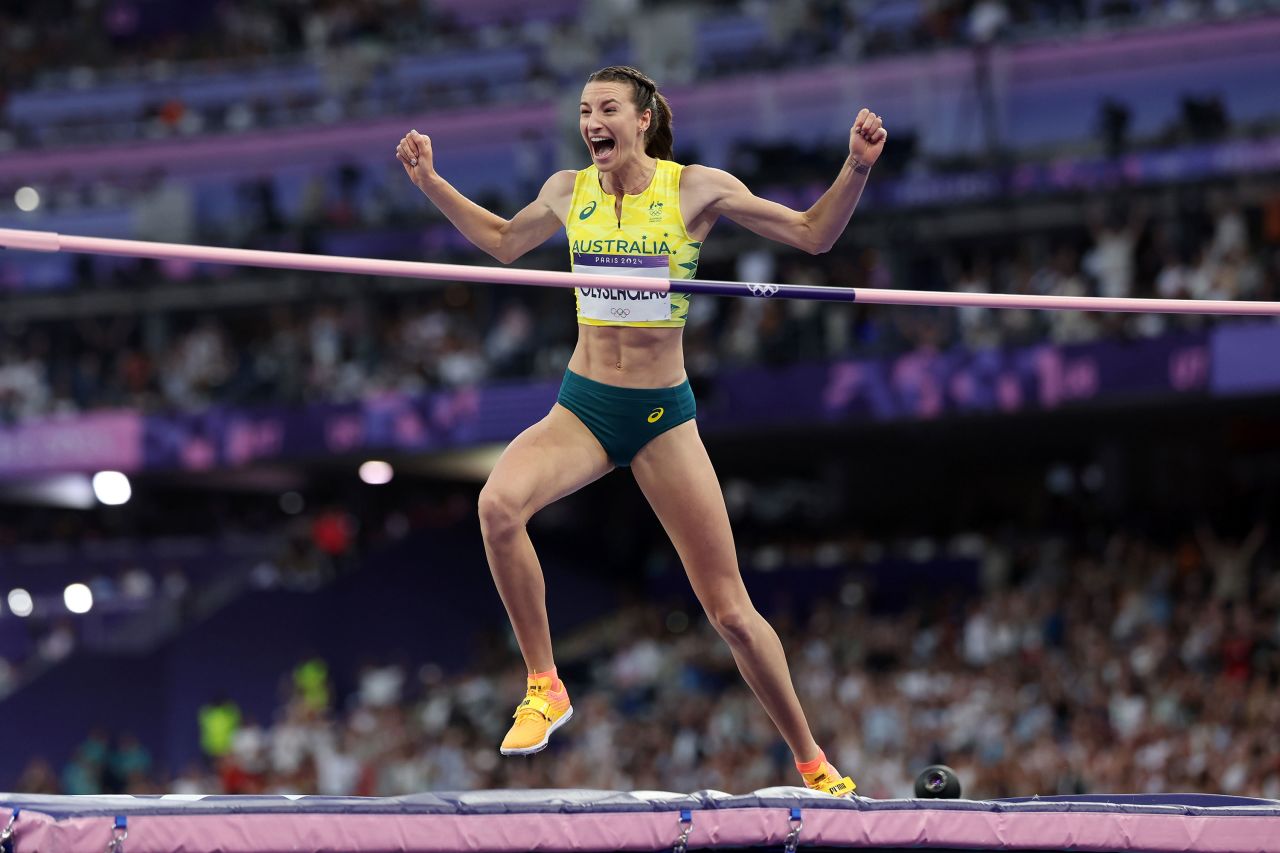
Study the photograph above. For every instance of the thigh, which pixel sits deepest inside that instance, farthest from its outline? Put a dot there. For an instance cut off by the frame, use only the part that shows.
(676, 476)
(555, 457)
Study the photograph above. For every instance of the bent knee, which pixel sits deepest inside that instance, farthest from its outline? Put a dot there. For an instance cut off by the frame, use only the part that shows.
(501, 514)
(735, 623)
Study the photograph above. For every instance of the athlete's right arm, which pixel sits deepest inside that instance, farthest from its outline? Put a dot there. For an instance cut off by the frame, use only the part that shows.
(504, 239)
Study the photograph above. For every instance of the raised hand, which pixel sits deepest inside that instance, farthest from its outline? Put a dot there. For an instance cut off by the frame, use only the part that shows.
(414, 153)
(867, 137)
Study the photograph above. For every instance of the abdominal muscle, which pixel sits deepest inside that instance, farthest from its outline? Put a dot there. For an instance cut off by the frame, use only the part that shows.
(629, 357)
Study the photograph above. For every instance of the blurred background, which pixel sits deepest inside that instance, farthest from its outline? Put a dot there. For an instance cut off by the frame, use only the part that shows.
(238, 544)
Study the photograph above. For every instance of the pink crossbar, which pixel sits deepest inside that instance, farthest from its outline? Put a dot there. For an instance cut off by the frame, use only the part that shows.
(49, 241)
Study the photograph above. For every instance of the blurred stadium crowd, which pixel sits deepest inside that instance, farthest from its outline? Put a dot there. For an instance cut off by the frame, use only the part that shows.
(1126, 664)
(354, 48)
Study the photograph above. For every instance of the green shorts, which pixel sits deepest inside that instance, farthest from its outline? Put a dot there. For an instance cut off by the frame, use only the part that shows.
(624, 420)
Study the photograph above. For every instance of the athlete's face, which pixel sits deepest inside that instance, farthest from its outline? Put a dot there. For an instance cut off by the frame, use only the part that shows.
(610, 124)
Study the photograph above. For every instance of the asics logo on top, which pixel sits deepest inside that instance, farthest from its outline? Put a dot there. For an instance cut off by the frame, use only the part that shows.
(587, 211)
(762, 289)
(656, 415)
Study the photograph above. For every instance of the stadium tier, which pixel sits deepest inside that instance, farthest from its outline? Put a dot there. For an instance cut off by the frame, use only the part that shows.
(323, 528)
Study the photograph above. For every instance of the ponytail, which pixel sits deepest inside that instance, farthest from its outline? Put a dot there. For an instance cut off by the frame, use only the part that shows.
(658, 139)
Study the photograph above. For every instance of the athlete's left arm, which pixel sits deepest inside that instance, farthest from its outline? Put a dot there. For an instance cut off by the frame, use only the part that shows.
(715, 193)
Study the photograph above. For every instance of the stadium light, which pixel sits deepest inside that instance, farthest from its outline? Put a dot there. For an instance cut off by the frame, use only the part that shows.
(27, 199)
(112, 488)
(20, 602)
(376, 472)
(78, 598)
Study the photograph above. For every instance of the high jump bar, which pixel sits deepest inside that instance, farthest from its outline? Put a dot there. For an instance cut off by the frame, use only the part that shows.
(50, 241)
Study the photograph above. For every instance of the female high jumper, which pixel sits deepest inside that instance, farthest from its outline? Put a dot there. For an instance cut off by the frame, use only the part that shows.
(625, 399)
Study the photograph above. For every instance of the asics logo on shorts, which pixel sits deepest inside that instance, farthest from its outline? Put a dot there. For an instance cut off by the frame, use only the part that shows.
(656, 415)
(762, 289)
(620, 312)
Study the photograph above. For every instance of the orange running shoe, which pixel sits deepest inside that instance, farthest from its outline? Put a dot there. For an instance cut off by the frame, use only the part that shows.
(541, 713)
(826, 778)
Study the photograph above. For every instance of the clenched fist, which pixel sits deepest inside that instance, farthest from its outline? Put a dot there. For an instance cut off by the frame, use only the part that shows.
(867, 137)
(414, 153)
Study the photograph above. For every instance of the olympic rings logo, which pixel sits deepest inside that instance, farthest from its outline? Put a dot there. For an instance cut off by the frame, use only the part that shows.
(762, 289)
(620, 312)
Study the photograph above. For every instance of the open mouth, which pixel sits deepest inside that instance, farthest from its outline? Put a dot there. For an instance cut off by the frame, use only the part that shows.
(602, 146)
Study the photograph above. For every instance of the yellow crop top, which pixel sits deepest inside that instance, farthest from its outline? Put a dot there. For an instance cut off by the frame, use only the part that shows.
(649, 241)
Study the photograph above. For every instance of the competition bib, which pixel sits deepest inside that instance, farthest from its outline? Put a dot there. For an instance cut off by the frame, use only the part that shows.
(623, 306)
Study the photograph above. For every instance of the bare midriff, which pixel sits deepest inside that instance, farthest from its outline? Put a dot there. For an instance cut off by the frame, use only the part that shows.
(629, 357)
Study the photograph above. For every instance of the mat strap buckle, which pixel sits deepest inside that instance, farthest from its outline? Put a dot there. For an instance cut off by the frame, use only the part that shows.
(793, 838)
(119, 833)
(686, 826)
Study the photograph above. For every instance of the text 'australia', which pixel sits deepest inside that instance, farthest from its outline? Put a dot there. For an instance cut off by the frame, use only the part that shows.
(624, 247)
